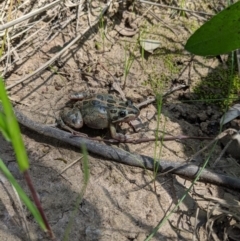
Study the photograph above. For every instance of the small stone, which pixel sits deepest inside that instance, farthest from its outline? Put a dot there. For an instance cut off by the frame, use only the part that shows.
(192, 117)
(215, 117)
(209, 110)
(202, 116)
(204, 127)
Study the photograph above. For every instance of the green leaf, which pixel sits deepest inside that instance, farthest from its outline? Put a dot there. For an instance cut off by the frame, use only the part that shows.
(3, 127)
(219, 35)
(32, 208)
(10, 124)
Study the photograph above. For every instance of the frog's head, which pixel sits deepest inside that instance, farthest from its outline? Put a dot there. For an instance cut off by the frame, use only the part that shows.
(123, 111)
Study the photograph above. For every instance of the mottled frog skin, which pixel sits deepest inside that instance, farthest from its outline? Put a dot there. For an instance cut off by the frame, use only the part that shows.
(98, 111)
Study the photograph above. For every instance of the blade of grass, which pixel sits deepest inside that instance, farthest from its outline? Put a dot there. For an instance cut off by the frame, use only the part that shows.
(14, 134)
(3, 127)
(75, 40)
(163, 221)
(29, 15)
(31, 207)
(13, 130)
(80, 196)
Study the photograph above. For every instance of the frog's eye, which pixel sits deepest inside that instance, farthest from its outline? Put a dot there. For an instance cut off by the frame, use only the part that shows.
(122, 113)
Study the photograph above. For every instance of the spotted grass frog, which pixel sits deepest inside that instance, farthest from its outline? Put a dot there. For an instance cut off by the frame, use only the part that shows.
(98, 111)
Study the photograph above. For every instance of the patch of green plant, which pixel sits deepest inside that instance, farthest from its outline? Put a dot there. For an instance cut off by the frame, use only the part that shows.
(11, 131)
(159, 79)
(158, 143)
(102, 27)
(98, 45)
(182, 5)
(219, 87)
(129, 58)
(157, 83)
(170, 63)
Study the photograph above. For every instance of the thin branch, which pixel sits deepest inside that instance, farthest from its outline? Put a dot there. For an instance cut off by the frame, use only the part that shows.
(49, 62)
(168, 92)
(176, 8)
(22, 42)
(79, 9)
(29, 15)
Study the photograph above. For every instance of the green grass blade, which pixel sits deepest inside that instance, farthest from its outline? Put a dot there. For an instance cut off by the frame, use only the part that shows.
(167, 216)
(3, 127)
(13, 130)
(86, 173)
(31, 207)
(219, 35)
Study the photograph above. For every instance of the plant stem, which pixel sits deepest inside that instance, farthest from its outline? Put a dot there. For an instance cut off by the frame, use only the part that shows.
(37, 202)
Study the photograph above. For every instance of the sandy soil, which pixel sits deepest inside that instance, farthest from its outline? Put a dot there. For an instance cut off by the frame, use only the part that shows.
(120, 202)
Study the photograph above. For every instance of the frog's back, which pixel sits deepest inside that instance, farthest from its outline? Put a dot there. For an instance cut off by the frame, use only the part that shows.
(95, 110)
(98, 100)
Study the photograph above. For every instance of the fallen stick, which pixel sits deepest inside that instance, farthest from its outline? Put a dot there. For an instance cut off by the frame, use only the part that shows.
(188, 171)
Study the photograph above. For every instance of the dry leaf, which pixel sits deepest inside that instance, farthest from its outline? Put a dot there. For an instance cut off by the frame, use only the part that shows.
(231, 114)
(149, 44)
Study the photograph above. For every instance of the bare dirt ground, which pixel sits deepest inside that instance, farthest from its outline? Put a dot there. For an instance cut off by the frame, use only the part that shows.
(121, 202)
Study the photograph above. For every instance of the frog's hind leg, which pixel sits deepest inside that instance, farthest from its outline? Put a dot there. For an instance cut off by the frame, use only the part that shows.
(71, 118)
(61, 123)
